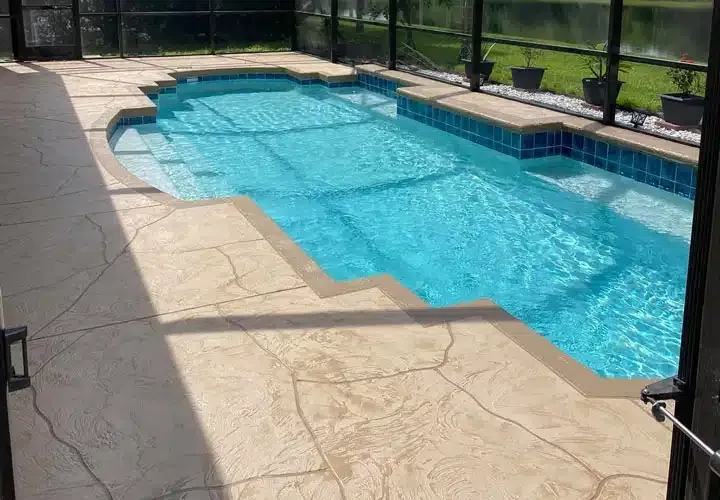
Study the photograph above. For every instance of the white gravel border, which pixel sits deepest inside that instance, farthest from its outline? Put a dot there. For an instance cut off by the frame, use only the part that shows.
(566, 102)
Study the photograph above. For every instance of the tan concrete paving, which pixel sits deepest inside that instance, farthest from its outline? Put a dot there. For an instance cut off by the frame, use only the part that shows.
(178, 353)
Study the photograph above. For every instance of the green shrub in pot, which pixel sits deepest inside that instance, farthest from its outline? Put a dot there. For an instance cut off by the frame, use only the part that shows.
(683, 107)
(527, 77)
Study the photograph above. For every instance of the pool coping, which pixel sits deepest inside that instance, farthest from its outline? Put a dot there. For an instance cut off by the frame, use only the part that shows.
(573, 372)
(489, 108)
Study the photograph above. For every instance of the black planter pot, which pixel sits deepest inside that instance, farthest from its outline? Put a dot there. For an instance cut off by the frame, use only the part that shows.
(683, 109)
(486, 68)
(527, 78)
(594, 90)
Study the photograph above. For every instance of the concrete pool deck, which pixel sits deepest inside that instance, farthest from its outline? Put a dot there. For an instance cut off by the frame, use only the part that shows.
(191, 351)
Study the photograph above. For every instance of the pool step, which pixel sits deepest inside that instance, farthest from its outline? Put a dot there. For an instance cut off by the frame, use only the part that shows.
(365, 101)
(128, 142)
(173, 165)
(135, 155)
(160, 147)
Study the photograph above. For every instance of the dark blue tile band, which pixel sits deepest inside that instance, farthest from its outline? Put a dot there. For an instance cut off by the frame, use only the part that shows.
(127, 121)
(380, 85)
(642, 167)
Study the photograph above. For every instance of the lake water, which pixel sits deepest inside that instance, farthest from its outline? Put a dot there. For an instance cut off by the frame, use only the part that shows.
(652, 31)
(665, 32)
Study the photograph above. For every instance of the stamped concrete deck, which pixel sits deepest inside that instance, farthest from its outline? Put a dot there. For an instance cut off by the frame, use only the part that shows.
(184, 351)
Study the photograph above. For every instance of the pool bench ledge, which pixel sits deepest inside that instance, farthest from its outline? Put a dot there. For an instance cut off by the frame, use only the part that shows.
(525, 118)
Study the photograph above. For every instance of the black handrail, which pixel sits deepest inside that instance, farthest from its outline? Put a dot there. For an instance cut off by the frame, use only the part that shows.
(660, 413)
(187, 12)
(568, 49)
(612, 55)
(392, 34)
(211, 26)
(334, 26)
(476, 57)
(613, 61)
(373, 22)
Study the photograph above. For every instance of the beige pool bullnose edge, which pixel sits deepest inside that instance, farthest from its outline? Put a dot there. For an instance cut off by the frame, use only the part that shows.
(193, 350)
(576, 374)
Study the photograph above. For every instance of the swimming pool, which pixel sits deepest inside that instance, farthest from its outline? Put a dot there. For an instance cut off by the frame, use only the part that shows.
(593, 261)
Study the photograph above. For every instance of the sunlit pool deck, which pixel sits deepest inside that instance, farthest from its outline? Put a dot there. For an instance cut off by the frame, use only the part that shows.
(192, 350)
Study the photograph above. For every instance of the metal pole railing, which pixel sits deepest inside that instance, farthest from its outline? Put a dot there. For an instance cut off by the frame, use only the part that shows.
(613, 61)
(211, 25)
(77, 31)
(660, 413)
(293, 33)
(392, 34)
(698, 302)
(118, 12)
(501, 40)
(477, 55)
(334, 31)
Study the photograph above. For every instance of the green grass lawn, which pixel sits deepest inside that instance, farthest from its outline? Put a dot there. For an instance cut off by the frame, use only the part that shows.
(564, 72)
(189, 50)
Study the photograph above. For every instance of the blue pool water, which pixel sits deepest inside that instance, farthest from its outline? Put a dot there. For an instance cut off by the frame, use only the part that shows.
(594, 261)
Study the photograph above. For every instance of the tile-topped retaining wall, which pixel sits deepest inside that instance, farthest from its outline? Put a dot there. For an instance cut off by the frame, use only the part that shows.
(671, 176)
(515, 144)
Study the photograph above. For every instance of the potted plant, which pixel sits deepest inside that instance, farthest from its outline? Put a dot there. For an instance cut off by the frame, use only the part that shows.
(683, 108)
(486, 66)
(527, 77)
(595, 88)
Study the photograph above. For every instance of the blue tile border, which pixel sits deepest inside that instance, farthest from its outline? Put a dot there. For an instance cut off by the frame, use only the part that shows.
(678, 178)
(112, 129)
(518, 145)
(643, 167)
(128, 121)
(377, 84)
